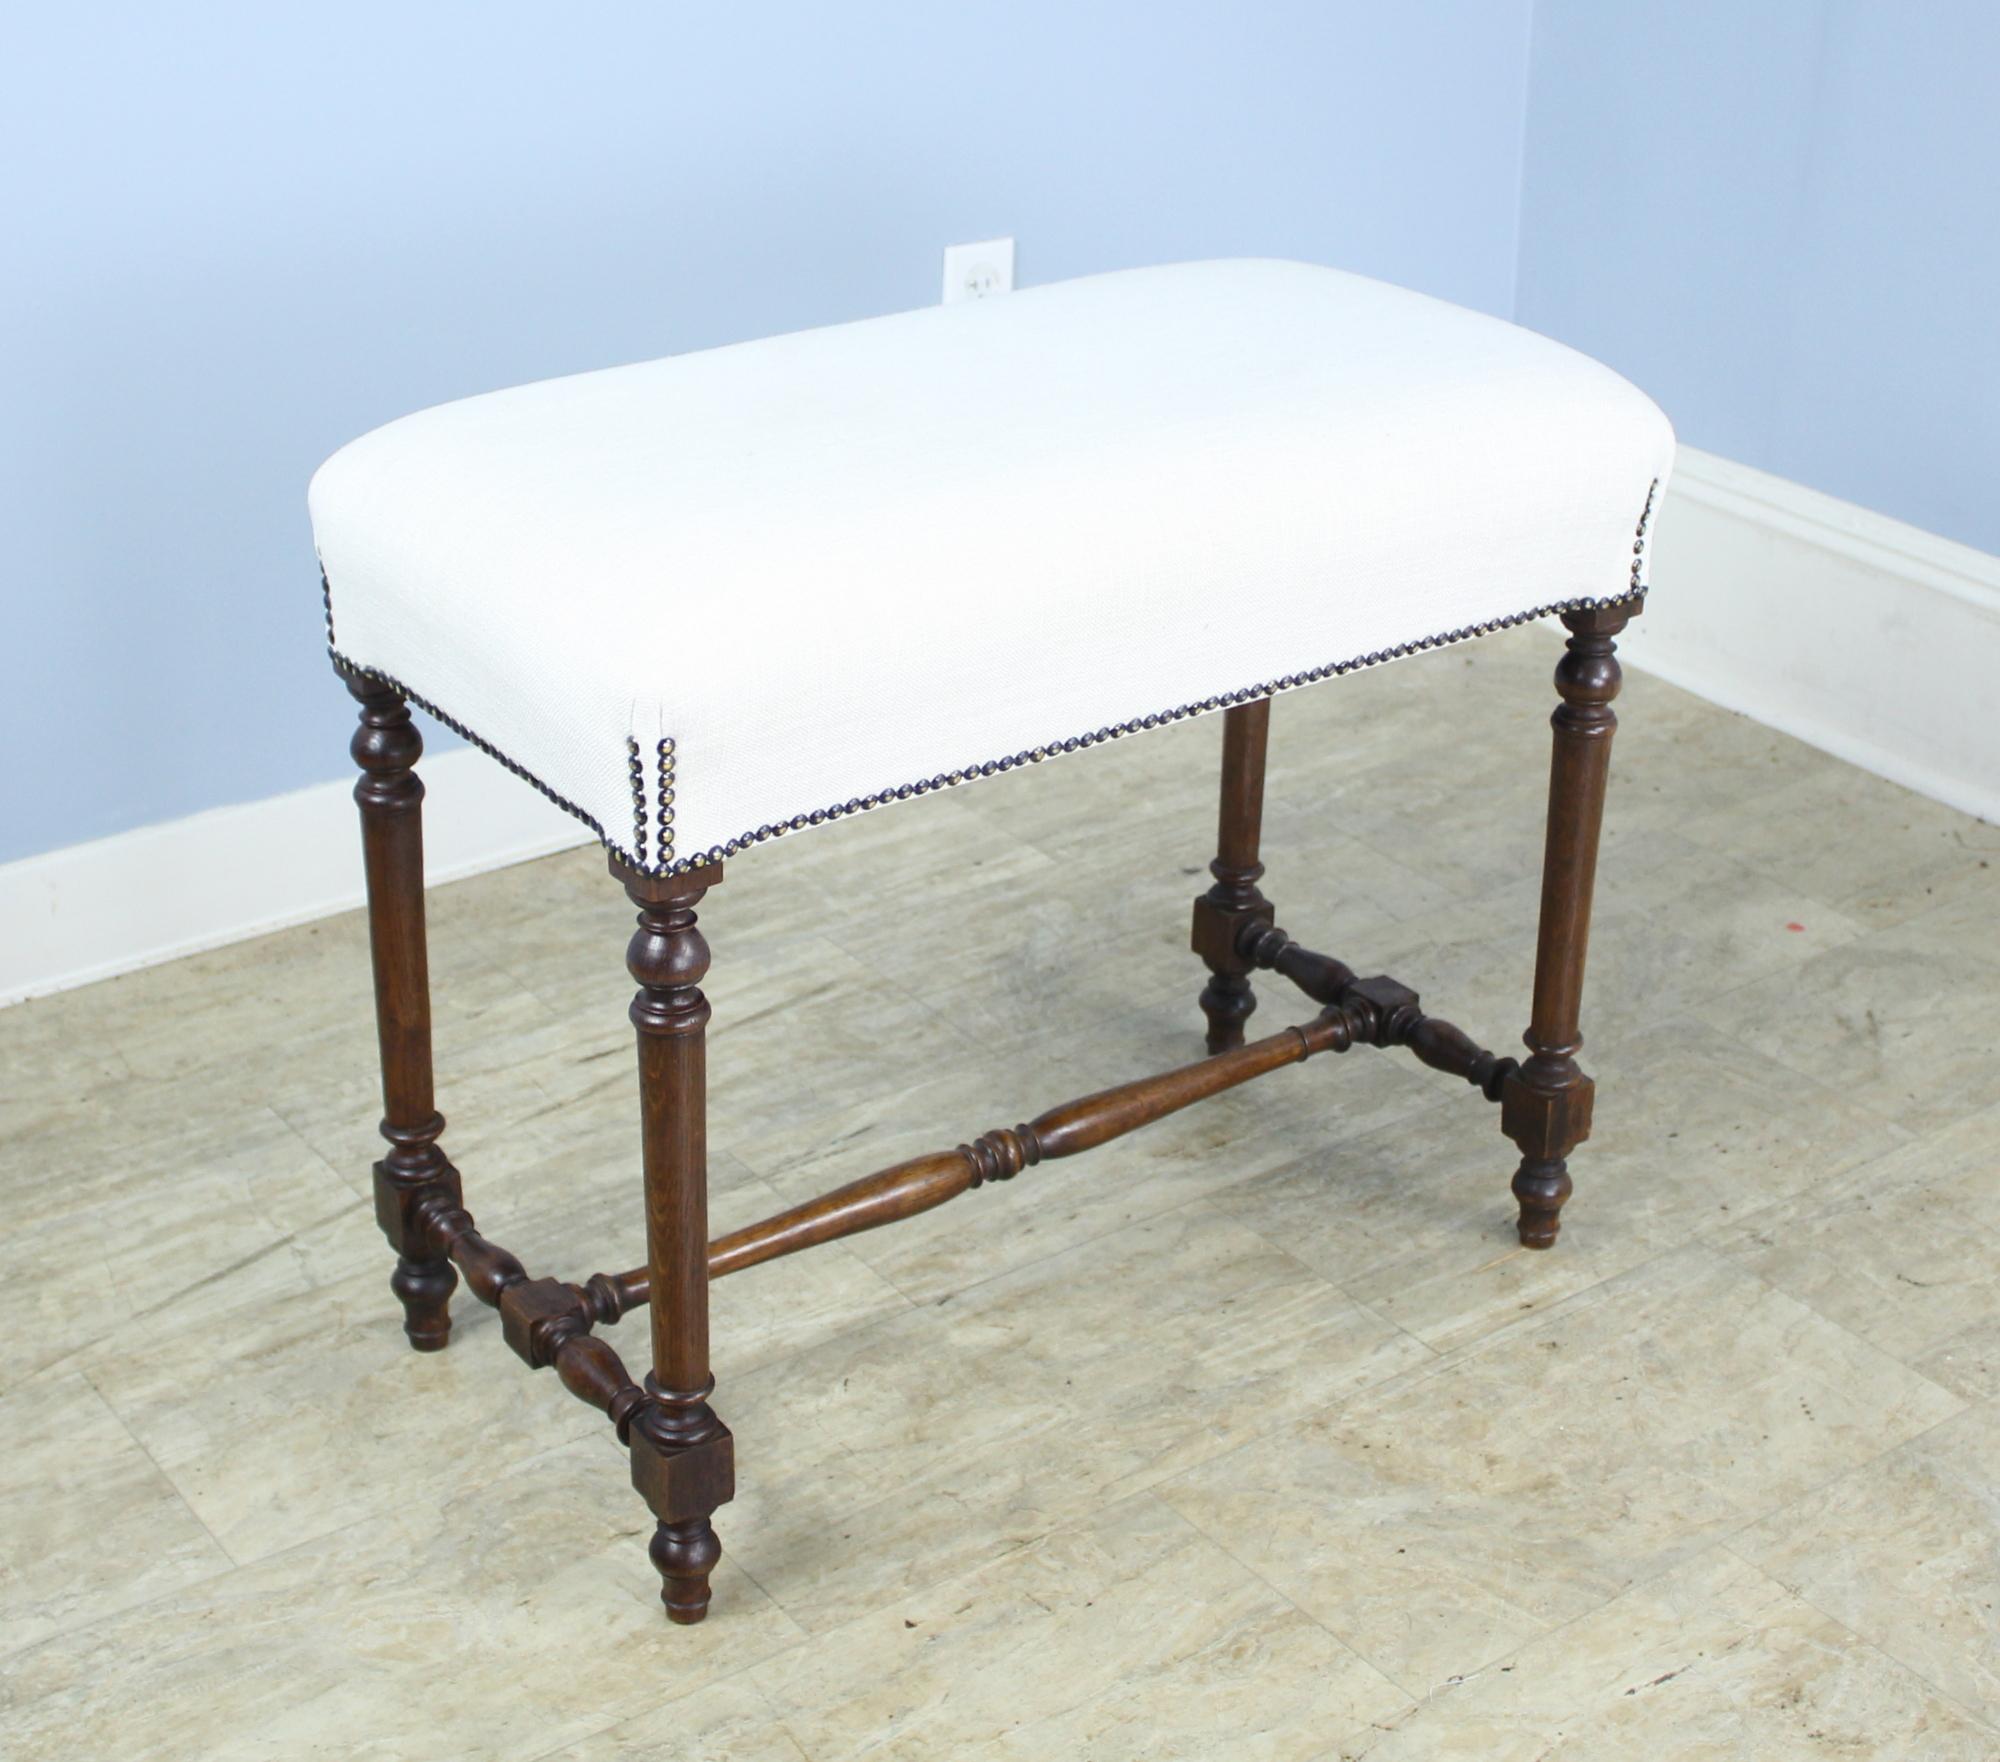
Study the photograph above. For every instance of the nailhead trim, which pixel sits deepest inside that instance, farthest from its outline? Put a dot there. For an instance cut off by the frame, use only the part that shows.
(669, 865)
(666, 759)
(637, 772)
(1639, 540)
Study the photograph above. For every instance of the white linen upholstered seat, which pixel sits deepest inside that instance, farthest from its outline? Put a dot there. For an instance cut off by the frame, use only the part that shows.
(708, 599)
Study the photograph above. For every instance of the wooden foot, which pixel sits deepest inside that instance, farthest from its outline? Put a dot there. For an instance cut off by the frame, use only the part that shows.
(1542, 1188)
(425, 1288)
(683, 1458)
(1545, 1103)
(1220, 914)
(685, 1554)
(415, 1172)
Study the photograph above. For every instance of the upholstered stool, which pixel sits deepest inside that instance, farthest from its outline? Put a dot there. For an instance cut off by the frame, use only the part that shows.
(709, 601)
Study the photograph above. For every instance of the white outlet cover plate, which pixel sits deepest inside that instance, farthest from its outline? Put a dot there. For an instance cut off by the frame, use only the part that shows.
(978, 271)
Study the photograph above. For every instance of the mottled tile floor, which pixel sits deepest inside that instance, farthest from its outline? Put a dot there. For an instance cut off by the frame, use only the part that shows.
(1253, 1435)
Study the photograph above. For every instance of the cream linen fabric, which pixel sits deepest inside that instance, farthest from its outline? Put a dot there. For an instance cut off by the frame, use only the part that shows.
(734, 590)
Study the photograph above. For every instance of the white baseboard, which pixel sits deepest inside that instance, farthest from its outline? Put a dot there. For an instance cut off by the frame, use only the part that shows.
(1871, 639)
(88, 911)
(1875, 641)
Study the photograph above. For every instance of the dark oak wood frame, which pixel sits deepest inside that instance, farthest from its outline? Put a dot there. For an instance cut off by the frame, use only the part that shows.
(682, 1455)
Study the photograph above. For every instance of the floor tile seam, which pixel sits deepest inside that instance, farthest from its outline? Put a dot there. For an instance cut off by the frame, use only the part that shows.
(800, 1638)
(1435, 1354)
(801, 1634)
(1450, 1357)
(1784, 882)
(1733, 1532)
(1820, 1201)
(1990, 960)
(436, 1480)
(939, 1019)
(1340, 1640)
(1979, 1716)
(904, 1304)
(1416, 1697)
(1672, 1563)
(1866, 1346)
(554, 1008)
(276, 1245)
(1685, 1017)
(549, 1107)
(1780, 880)
(1967, 1230)
(1079, 1522)
(159, 1468)
(1865, 935)
(1389, 1321)
(856, 1617)
(1963, 1403)
(595, 1736)
(64, 1362)
(144, 1139)
(1474, 896)
(1546, 1315)
(1663, 1568)
(229, 1563)
(1146, 1495)
(1441, 1358)
(1779, 1057)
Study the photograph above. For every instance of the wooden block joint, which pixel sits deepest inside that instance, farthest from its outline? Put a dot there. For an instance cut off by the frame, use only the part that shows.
(1218, 930)
(1392, 1006)
(686, 1481)
(404, 1207)
(1547, 1124)
(537, 1316)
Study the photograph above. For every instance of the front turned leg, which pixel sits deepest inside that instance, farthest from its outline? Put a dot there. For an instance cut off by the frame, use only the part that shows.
(683, 1460)
(1221, 913)
(415, 1172)
(1545, 1104)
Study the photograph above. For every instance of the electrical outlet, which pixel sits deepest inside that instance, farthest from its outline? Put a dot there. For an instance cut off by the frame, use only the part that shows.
(977, 272)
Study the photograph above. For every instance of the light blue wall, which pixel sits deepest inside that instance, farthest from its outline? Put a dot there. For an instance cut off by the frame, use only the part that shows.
(1783, 219)
(237, 235)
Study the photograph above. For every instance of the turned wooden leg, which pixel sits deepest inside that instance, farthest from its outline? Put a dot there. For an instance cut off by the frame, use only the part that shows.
(683, 1459)
(1221, 913)
(1545, 1104)
(415, 1171)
